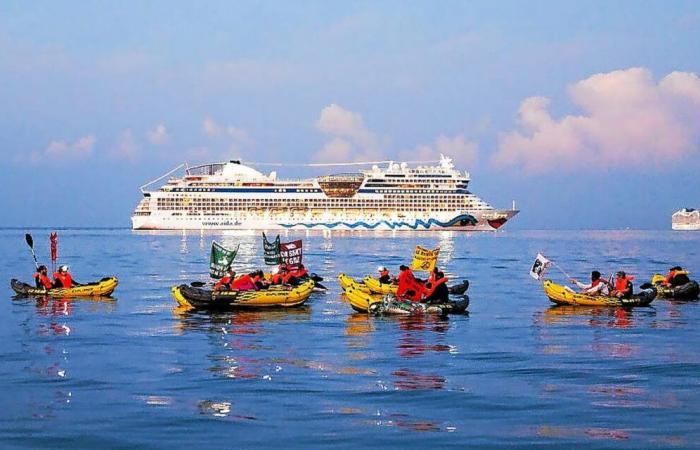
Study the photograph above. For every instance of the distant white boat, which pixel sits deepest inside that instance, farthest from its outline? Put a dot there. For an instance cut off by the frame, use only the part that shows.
(686, 219)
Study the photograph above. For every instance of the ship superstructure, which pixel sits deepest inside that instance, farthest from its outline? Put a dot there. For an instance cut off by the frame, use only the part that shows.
(232, 195)
(687, 219)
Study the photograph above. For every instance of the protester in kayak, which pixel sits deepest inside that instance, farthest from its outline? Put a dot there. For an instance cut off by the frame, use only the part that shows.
(279, 275)
(260, 281)
(437, 292)
(244, 283)
(41, 278)
(63, 278)
(676, 277)
(225, 282)
(623, 286)
(384, 275)
(597, 286)
(409, 287)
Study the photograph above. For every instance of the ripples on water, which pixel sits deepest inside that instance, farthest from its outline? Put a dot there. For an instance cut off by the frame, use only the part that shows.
(516, 371)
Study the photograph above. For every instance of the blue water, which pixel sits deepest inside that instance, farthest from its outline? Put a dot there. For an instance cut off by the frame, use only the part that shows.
(134, 372)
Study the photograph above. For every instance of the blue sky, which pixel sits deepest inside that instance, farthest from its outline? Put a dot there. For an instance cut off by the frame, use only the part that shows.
(586, 113)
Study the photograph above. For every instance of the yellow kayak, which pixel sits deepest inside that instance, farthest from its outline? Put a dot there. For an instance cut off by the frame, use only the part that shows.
(379, 288)
(275, 296)
(562, 295)
(101, 288)
(346, 282)
(360, 300)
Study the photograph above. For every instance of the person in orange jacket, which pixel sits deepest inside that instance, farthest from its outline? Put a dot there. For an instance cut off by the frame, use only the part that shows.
(279, 276)
(676, 277)
(623, 286)
(63, 278)
(41, 278)
(436, 290)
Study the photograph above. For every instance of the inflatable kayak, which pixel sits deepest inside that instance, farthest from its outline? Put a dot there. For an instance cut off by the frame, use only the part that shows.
(347, 281)
(362, 300)
(275, 296)
(383, 288)
(101, 288)
(562, 295)
(687, 291)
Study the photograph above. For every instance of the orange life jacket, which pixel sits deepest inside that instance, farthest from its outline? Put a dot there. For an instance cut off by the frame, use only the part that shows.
(622, 284)
(44, 280)
(64, 279)
(277, 278)
(301, 273)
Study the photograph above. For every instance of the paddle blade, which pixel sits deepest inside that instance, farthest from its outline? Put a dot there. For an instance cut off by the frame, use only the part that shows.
(29, 239)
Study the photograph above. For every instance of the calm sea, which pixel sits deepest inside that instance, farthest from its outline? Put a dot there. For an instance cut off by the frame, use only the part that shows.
(134, 372)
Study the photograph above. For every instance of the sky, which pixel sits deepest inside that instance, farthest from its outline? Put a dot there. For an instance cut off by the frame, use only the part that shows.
(587, 114)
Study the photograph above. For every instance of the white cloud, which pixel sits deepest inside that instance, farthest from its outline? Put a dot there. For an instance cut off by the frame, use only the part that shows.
(464, 152)
(127, 147)
(238, 138)
(159, 135)
(78, 149)
(350, 138)
(339, 122)
(627, 119)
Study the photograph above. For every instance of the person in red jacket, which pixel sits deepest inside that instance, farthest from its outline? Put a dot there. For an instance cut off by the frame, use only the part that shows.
(409, 287)
(63, 278)
(225, 282)
(384, 275)
(41, 278)
(244, 283)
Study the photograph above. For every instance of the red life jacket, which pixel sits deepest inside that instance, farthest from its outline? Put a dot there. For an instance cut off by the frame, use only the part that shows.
(434, 285)
(277, 278)
(44, 280)
(64, 279)
(595, 283)
(383, 273)
(243, 283)
(407, 282)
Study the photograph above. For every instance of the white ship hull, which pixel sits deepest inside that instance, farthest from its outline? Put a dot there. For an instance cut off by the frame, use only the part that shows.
(686, 226)
(232, 196)
(478, 221)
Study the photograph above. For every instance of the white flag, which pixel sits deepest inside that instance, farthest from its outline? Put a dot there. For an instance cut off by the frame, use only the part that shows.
(539, 267)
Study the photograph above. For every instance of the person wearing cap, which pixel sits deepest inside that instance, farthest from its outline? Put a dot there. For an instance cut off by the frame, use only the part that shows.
(63, 278)
(225, 282)
(384, 275)
(41, 278)
(597, 286)
(623, 286)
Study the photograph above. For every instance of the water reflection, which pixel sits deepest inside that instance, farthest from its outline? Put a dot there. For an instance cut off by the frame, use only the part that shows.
(593, 316)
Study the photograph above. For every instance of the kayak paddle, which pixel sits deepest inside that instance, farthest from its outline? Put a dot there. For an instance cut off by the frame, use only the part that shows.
(30, 243)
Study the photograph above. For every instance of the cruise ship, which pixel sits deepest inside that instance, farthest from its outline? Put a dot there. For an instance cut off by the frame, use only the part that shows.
(395, 196)
(687, 219)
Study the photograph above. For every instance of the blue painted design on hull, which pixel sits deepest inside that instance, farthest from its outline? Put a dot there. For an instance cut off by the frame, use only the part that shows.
(463, 220)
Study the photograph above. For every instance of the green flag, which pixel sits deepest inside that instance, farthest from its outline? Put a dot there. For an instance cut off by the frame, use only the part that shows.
(221, 259)
(272, 251)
